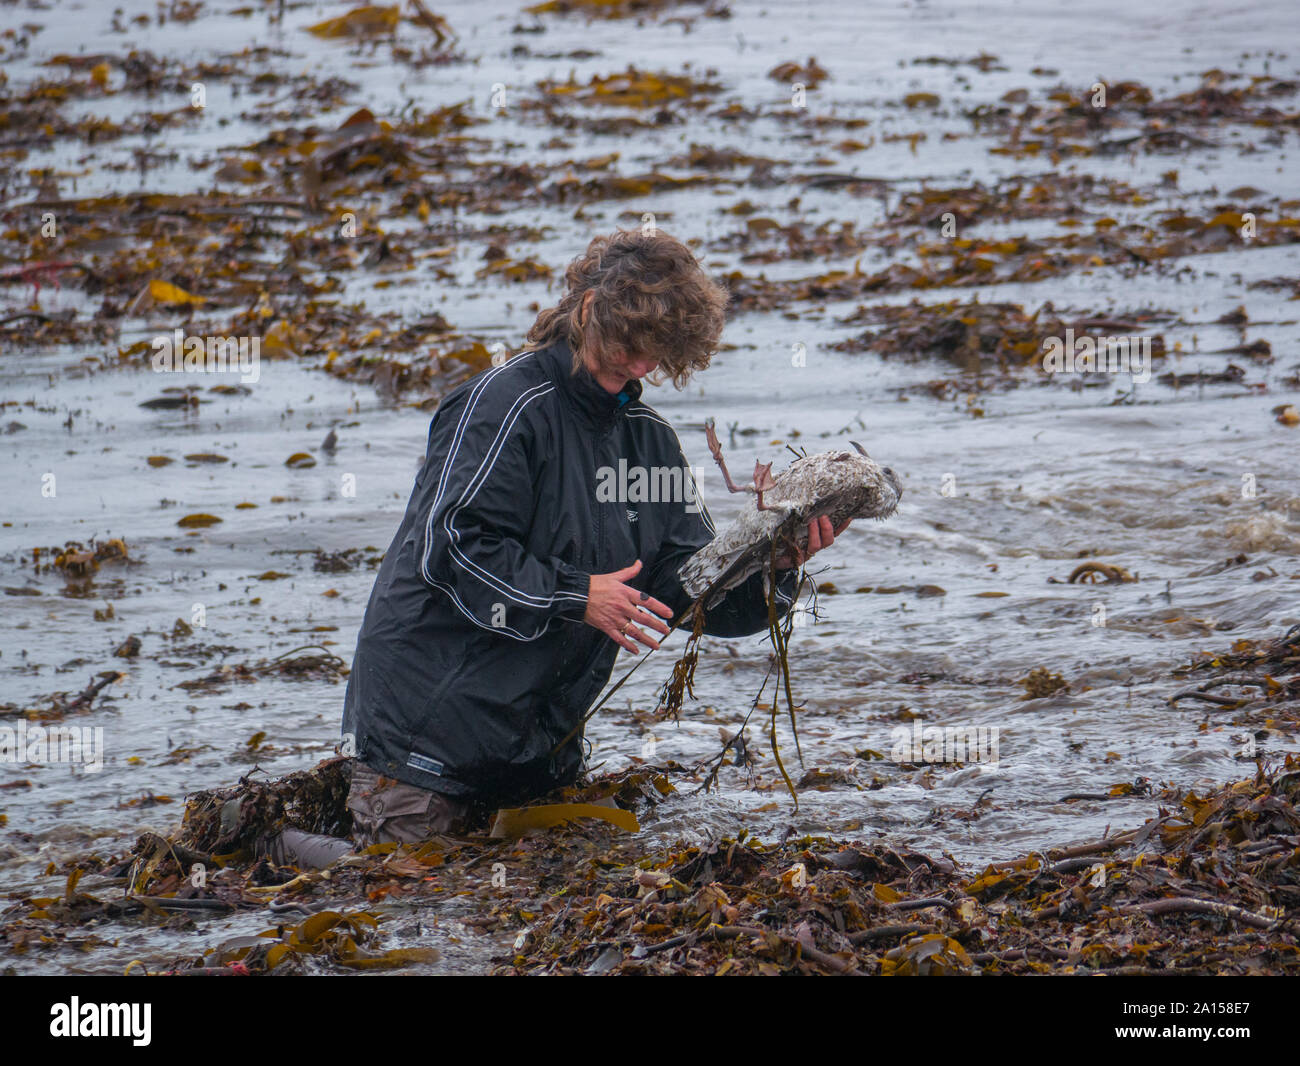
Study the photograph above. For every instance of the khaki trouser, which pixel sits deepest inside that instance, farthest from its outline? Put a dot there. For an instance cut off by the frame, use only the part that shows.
(385, 810)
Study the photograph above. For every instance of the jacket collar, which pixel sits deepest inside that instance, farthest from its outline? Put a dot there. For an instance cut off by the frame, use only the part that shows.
(592, 402)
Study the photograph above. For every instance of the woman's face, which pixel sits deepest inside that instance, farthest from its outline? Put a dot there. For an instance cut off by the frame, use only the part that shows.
(620, 368)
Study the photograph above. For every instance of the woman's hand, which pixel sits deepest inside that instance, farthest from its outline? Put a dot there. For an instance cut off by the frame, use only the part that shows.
(613, 607)
(820, 535)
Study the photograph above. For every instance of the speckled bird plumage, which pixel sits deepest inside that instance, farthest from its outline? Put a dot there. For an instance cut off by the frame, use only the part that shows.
(839, 484)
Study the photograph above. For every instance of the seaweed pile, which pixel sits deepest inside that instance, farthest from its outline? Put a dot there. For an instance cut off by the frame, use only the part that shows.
(980, 337)
(1270, 669)
(225, 823)
(333, 192)
(1210, 886)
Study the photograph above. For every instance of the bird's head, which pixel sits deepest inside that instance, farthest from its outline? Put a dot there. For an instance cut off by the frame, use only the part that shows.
(889, 476)
(888, 488)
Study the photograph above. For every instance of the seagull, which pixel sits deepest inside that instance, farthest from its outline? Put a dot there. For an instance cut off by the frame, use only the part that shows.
(839, 484)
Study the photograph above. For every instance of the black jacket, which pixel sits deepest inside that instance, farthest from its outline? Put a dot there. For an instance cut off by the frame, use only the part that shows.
(473, 661)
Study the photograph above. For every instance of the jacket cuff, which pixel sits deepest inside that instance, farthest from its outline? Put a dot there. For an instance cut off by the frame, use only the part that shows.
(574, 583)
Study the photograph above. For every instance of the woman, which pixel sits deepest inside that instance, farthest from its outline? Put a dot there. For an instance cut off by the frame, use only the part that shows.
(509, 588)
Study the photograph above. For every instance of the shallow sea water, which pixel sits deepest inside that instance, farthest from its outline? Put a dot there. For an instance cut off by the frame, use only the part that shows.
(1047, 474)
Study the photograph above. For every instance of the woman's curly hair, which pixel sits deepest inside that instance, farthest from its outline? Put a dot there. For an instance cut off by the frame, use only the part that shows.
(652, 300)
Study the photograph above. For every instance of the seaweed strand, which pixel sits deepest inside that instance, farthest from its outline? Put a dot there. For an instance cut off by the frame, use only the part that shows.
(780, 647)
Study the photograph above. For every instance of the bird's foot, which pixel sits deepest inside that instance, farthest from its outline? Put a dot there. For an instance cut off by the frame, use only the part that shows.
(715, 447)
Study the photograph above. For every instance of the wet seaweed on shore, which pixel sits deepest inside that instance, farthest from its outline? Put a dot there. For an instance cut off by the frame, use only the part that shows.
(265, 252)
(984, 339)
(230, 821)
(1127, 117)
(779, 633)
(1093, 572)
(318, 664)
(58, 705)
(1211, 886)
(324, 938)
(681, 683)
(1266, 673)
(620, 9)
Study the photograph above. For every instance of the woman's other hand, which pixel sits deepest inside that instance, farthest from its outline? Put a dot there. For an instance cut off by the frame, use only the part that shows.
(820, 535)
(618, 610)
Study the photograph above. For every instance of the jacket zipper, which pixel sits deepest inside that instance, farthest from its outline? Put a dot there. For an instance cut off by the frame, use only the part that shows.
(600, 537)
(601, 559)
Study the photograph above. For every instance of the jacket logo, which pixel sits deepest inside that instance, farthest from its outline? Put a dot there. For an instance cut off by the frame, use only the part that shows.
(416, 761)
(632, 516)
